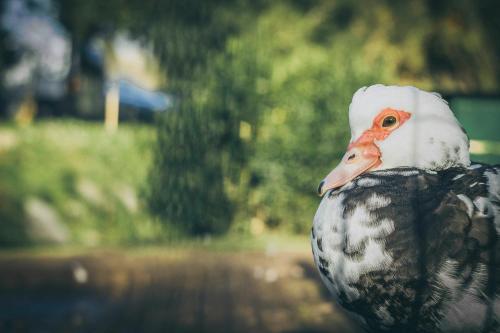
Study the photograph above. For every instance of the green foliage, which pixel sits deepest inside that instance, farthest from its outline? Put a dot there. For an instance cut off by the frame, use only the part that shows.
(201, 151)
(187, 182)
(303, 129)
(12, 231)
(93, 181)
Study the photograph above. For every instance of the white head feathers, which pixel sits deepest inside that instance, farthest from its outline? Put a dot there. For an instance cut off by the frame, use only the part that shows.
(431, 139)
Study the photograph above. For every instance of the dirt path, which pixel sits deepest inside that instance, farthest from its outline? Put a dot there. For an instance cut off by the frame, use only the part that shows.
(180, 291)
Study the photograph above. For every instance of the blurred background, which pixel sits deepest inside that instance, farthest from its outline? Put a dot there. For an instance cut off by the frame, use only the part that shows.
(159, 159)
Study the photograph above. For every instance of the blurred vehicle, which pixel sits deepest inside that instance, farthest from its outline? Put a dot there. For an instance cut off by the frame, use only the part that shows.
(139, 103)
(110, 63)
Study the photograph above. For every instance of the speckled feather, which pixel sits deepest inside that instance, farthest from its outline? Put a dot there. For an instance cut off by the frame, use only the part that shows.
(409, 250)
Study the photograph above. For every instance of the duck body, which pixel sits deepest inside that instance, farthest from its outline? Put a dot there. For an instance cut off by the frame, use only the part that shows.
(412, 250)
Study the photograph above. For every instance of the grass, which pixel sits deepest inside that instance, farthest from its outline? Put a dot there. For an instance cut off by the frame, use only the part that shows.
(270, 244)
(92, 181)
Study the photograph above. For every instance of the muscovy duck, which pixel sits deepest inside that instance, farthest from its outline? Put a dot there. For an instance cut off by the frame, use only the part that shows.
(406, 236)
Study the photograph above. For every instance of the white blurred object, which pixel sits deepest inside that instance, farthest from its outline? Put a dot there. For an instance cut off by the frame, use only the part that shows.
(271, 275)
(44, 222)
(80, 273)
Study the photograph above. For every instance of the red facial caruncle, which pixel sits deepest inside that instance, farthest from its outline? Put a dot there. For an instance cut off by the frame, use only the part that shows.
(363, 154)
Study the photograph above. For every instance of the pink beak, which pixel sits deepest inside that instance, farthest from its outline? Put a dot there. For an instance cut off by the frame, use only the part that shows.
(361, 156)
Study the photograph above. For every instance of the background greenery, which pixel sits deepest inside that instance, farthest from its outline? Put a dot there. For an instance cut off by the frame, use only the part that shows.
(287, 71)
(261, 91)
(90, 180)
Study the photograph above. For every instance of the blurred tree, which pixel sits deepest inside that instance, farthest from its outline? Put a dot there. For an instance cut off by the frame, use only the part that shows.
(3, 111)
(202, 151)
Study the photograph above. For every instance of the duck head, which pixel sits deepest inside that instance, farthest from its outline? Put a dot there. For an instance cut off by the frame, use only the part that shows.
(393, 126)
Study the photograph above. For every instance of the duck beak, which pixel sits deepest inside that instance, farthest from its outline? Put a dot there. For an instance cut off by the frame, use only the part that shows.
(361, 156)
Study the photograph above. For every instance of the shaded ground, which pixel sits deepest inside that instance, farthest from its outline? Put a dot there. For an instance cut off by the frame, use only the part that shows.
(175, 291)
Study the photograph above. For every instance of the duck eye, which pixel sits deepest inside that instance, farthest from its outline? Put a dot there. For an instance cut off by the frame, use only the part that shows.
(389, 121)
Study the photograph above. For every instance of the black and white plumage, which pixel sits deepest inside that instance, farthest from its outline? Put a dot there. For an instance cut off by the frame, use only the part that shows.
(412, 247)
